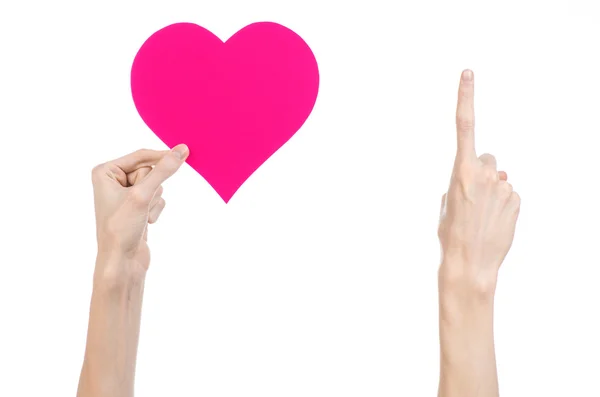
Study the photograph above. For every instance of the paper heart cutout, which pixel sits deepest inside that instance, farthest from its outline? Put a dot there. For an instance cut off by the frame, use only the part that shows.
(234, 103)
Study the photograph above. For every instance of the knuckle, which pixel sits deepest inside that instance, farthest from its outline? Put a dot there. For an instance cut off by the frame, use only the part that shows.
(488, 158)
(138, 197)
(506, 188)
(484, 285)
(490, 174)
(515, 198)
(97, 171)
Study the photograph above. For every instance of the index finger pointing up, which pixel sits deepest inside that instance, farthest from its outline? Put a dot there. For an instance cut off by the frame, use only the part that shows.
(465, 116)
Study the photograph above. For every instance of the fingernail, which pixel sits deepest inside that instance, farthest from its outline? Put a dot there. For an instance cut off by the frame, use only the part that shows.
(180, 151)
(467, 75)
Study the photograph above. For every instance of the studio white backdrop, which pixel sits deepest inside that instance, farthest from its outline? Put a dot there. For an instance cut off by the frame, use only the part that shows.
(319, 277)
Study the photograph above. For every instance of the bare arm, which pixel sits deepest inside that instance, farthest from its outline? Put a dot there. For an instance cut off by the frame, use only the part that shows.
(127, 197)
(112, 340)
(477, 225)
(467, 356)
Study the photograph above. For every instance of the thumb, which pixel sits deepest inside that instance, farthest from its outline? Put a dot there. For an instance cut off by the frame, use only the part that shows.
(165, 168)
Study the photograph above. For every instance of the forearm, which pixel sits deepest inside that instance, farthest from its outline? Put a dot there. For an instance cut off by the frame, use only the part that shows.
(113, 334)
(467, 354)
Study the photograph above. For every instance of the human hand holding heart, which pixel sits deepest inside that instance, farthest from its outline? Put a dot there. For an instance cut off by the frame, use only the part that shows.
(233, 103)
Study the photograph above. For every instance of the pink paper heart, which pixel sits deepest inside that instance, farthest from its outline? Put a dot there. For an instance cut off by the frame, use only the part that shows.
(234, 103)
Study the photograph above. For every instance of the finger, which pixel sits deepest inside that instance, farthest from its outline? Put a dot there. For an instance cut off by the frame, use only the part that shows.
(514, 202)
(157, 197)
(138, 175)
(156, 210)
(488, 160)
(503, 176)
(110, 171)
(138, 159)
(465, 116)
(165, 168)
(505, 189)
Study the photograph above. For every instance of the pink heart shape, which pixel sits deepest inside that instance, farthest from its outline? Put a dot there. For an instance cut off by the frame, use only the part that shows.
(234, 103)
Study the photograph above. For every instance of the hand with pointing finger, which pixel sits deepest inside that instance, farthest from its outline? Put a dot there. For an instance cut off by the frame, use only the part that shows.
(127, 197)
(479, 212)
(477, 224)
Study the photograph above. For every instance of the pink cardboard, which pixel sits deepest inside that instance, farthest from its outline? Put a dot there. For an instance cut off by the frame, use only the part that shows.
(234, 103)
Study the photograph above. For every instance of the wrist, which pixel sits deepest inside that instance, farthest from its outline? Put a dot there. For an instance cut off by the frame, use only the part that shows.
(115, 271)
(466, 307)
(460, 278)
(466, 297)
(466, 324)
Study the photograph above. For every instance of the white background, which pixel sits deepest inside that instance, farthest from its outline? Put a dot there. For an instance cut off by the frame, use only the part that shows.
(319, 277)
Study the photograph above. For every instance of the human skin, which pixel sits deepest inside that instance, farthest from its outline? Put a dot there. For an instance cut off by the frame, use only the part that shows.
(127, 197)
(477, 224)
